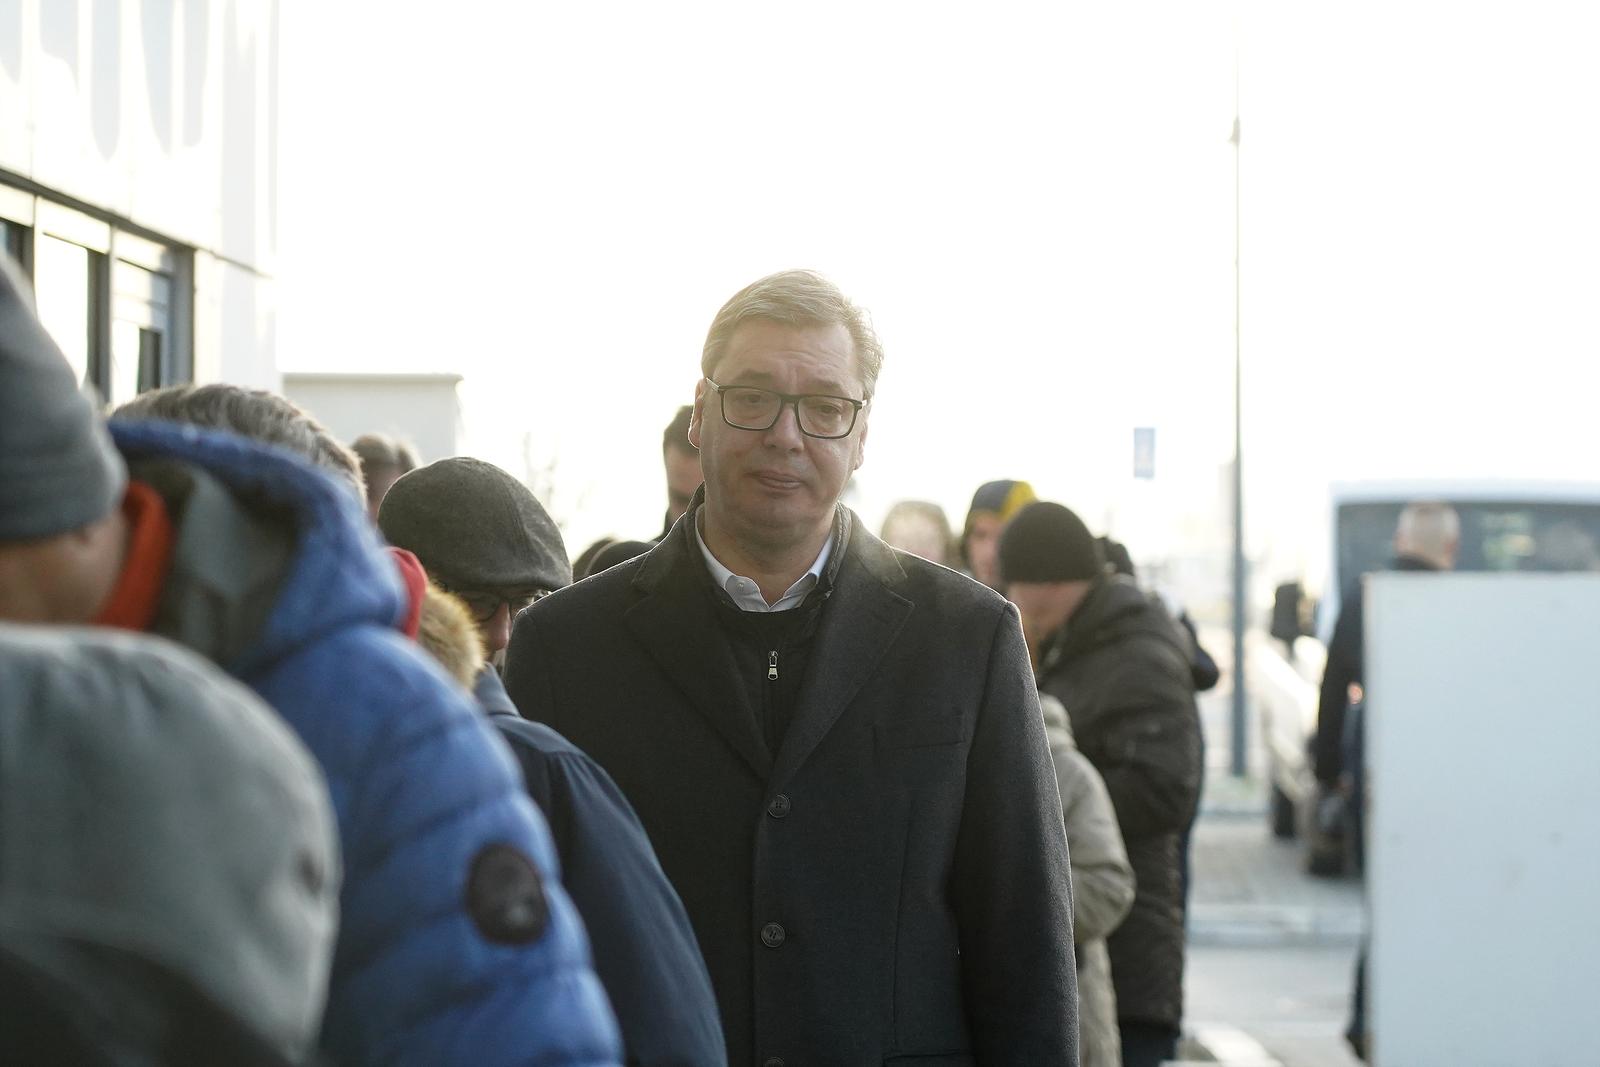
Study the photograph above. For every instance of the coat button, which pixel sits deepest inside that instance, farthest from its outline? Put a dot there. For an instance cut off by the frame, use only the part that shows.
(779, 807)
(773, 935)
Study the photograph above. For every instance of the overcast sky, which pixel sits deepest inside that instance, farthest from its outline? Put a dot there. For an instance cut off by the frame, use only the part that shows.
(1036, 201)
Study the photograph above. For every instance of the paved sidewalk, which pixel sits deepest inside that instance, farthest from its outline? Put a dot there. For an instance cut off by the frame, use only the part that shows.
(1250, 888)
(1271, 949)
(1250, 891)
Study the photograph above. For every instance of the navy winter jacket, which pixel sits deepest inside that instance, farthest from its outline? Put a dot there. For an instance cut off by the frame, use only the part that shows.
(453, 947)
(644, 947)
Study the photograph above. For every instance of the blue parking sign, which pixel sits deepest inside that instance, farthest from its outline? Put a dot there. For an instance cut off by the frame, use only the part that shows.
(1144, 451)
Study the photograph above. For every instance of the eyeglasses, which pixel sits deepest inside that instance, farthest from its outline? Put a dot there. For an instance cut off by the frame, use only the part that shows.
(484, 605)
(744, 407)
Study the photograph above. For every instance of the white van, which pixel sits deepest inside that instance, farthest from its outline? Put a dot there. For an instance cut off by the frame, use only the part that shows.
(1505, 526)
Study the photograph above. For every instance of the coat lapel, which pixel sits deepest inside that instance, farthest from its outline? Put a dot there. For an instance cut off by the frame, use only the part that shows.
(857, 627)
(676, 623)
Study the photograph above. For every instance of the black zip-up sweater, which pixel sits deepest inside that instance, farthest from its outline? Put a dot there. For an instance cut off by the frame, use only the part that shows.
(771, 651)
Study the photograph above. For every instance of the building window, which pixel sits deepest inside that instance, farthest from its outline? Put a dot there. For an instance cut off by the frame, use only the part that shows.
(113, 301)
(141, 331)
(13, 236)
(65, 284)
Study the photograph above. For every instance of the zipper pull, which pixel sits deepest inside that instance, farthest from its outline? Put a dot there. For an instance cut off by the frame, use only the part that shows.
(772, 666)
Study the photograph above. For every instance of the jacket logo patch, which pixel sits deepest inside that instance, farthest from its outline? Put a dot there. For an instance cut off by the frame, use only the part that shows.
(505, 896)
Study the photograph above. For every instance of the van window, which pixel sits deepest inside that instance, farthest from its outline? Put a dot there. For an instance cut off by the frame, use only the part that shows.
(1495, 536)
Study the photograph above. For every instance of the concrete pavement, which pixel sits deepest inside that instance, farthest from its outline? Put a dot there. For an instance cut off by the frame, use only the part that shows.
(1271, 949)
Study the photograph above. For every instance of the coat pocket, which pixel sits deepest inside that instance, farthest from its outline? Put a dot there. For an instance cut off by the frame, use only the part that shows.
(931, 1059)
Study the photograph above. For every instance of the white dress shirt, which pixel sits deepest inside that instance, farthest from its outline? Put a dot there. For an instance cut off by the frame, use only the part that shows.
(747, 594)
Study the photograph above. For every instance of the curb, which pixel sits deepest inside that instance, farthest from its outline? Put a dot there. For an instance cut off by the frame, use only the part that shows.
(1273, 925)
(1228, 1046)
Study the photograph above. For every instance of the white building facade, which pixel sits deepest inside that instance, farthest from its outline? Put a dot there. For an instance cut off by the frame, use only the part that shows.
(138, 184)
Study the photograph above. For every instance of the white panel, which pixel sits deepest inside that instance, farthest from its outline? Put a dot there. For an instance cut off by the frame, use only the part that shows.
(1483, 741)
(159, 111)
(16, 85)
(426, 413)
(235, 326)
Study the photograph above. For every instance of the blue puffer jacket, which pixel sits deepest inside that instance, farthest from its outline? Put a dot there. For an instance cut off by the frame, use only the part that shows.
(448, 951)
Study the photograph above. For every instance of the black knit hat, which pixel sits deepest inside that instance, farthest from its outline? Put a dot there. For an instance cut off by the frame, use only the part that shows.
(474, 527)
(1046, 542)
(614, 553)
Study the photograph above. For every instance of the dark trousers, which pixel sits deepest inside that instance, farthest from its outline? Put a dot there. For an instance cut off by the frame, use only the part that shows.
(1356, 1033)
(1148, 1044)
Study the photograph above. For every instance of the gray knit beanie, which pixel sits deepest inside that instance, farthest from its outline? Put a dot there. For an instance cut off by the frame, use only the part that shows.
(474, 527)
(154, 810)
(58, 468)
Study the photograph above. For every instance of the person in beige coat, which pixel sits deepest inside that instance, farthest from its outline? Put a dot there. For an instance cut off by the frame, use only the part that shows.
(1102, 884)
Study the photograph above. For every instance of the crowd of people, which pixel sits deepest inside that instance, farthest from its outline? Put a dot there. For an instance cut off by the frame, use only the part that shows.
(314, 754)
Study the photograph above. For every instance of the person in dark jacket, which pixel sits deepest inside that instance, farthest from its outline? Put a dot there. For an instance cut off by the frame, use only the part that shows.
(1202, 668)
(1427, 538)
(836, 748)
(456, 941)
(479, 531)
(681, 458)
(1122, 667)
(616, 552)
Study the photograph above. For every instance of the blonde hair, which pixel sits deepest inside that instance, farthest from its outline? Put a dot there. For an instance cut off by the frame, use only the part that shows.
(907, 516)
(796, 298)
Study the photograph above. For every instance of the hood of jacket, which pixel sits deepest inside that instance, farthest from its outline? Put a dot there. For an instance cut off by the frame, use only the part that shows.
(272, 554)
(1057, 724)
(1114, 609)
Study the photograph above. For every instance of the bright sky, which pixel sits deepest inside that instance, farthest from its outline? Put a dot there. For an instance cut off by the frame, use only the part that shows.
(1035, 201)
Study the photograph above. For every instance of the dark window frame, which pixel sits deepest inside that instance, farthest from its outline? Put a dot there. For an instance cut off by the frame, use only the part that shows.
(27, 212)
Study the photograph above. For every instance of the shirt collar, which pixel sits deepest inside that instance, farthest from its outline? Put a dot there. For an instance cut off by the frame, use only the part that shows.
(746, 594)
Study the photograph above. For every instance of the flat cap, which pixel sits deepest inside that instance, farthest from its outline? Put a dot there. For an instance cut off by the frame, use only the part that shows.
(475, 527)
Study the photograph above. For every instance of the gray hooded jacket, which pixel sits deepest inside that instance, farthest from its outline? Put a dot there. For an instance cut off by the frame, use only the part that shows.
(161, 830)
(1102, 884)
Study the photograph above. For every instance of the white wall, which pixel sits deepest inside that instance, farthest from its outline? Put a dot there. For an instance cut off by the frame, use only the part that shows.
(1483, 737)
(162, 114)
(420, 408)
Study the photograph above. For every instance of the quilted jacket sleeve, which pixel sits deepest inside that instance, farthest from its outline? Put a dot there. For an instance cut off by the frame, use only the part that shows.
(457, 943)
(1148, 751)
(1102, 879)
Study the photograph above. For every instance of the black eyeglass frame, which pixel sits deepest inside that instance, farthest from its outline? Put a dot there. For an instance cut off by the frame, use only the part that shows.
(789, 400)
(516, 604)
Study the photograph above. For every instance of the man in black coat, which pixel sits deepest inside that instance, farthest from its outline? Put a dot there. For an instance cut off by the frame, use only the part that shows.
(836, 748)
(1122, 667)
(1427, 538)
